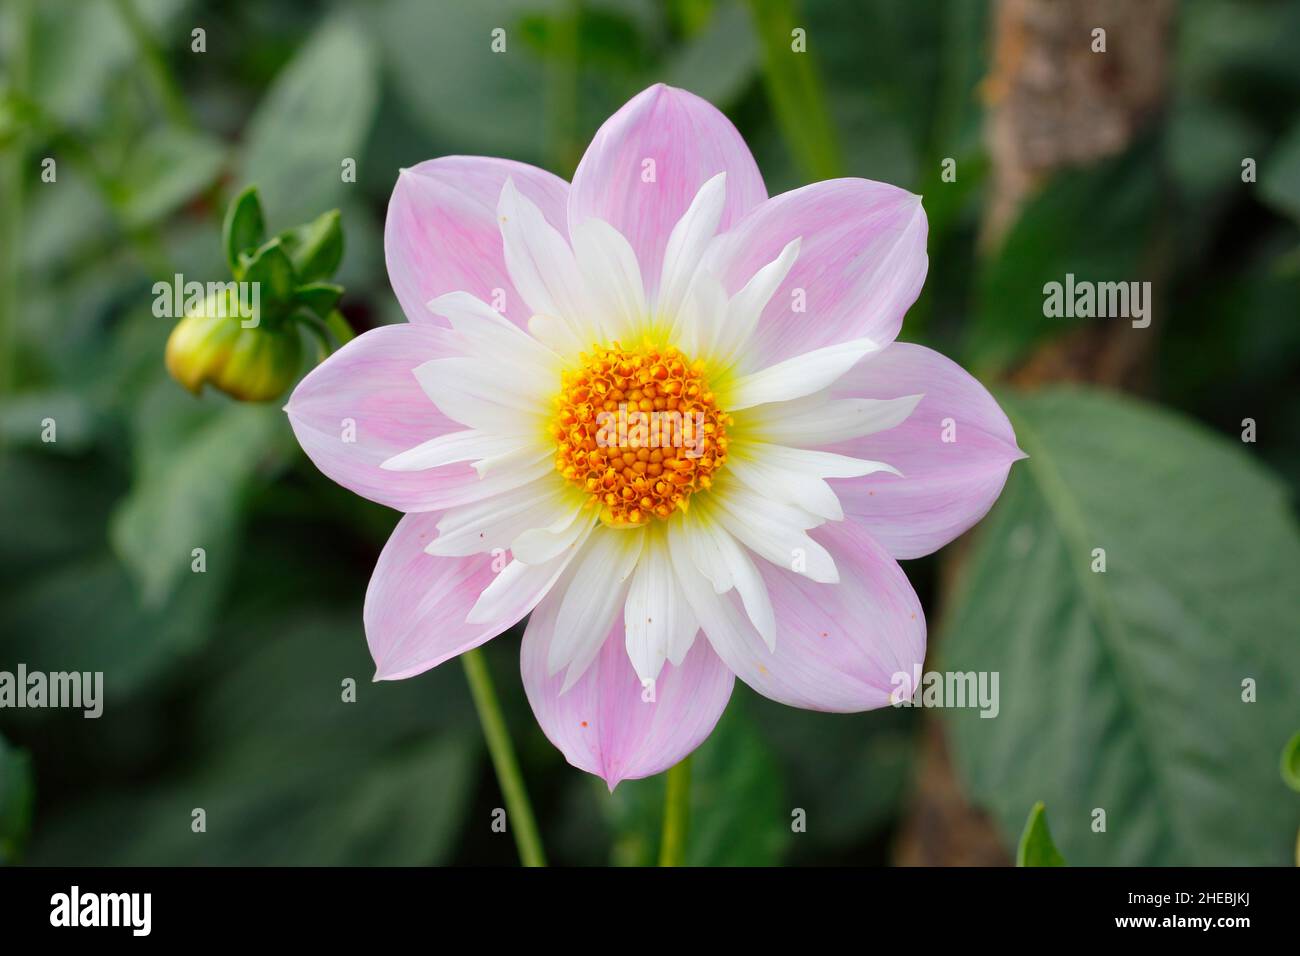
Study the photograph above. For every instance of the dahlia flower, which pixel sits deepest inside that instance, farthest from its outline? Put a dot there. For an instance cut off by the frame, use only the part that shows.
(666, 416)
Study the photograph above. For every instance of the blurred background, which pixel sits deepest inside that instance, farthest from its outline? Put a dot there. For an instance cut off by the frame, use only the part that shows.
(1160, 692)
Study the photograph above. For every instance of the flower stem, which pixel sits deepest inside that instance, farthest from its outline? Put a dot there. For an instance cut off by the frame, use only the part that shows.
(13, 170)
(338, 325)
(677, 814)
(519, 810)
(561, 91)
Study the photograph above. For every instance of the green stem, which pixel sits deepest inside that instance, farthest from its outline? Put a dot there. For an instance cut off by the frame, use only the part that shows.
(168, 90)
(561, 91)
(518, 809)
(795, 89)
(677, 815)
(13, 172)
(338, 325)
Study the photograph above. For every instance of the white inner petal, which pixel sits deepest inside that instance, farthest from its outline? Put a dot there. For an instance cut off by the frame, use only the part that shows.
(542, 266)
(819, 420)
(613, 277)
(569, 527)
(798, 376)
(657, 619)
(593, 596)
(745, 307)
(687, 244)
(496, 521)
(481, 395)
(468, 445)
(775, 531)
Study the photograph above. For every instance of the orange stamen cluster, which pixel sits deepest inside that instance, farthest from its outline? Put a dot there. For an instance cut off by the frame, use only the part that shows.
(671, 441)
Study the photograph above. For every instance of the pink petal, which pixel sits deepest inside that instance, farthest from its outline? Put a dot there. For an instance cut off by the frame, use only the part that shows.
(441, 234)
(945, 486)
(367, 391)
(690, 141)
(416, 603)
(601, 724)
(839, 646)
(861, 264)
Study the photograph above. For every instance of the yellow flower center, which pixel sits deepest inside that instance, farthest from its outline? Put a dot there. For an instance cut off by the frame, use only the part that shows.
(638, 430)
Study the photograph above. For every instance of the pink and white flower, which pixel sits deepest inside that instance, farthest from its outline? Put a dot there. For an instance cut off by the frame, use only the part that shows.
(760, 541)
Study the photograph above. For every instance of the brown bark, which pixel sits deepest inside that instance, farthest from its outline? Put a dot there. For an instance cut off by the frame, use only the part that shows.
(1053, 102)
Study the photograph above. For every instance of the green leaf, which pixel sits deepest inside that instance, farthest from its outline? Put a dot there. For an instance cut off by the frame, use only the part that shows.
(74, 416)
(269, 266)
(17, 797)
(1156, 691)
(721, 60)
(52, 508)
(1204, 149)
(244, 228)
(196, 461)
(66, 603)
(1280, 175)
(78, 48)
(1036, 846)
(65, 226)
(738, 813)
(327, 96)
(315, 249)
(433, 49)
(319, 297)
(165, 169)
(87, 615)
(1291, 763)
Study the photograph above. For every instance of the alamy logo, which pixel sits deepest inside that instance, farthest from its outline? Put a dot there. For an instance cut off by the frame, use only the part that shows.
(946, 689)
(214, 300)
(103, 909)
(75, 689)
(1104, 300)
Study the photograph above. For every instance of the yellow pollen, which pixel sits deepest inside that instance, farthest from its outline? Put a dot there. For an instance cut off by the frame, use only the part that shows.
(639, 430)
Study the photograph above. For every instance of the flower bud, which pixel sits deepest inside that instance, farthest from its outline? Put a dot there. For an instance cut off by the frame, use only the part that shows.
(211, 345)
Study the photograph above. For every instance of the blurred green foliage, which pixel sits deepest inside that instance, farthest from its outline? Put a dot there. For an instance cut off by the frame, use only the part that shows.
(1120, 690)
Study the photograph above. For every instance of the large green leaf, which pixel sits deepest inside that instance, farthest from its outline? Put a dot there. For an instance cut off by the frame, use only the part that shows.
(1122, 691)
(316, 115)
